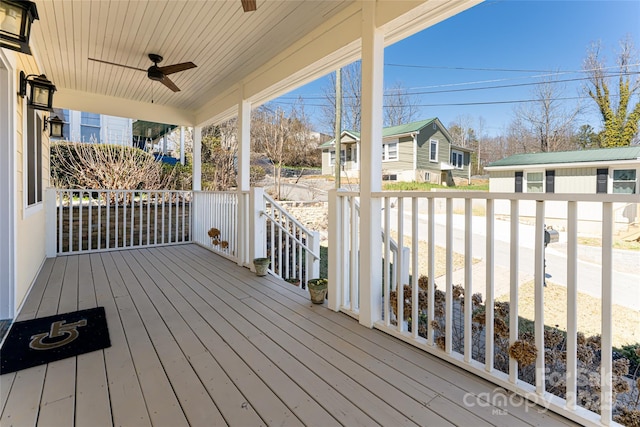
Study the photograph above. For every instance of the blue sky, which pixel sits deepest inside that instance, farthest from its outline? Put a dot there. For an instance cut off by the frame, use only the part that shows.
(538, 36)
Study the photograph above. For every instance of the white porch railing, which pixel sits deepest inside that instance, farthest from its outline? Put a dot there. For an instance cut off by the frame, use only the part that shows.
(247, 225)
(293, 249)
(80, 221)
(451, 321)
(215, 221)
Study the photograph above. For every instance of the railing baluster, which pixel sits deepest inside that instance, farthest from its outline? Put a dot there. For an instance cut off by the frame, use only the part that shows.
(606, 380)
(60, 201)
(539, 297)
(353, 272)
(90, 225)
(415, 274)
(386, 279)
(468, 286)
(397, 264)
(71, 222)
(514, 285)
(489, 297)
(133, 218)
(431, 268)
(448, 310)
(572, 298)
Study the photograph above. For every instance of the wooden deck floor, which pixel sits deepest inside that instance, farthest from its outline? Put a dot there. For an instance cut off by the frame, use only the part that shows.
(197, 340)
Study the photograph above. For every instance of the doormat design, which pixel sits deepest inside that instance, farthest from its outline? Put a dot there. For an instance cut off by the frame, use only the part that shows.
(47, 339)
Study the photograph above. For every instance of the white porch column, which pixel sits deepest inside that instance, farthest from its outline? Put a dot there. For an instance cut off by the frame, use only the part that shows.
(197, 159)
(371, 167)
(242, 180)
(182, 145)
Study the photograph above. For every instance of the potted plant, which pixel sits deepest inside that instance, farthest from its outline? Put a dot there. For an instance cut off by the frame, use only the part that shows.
(261, 265)
(317, 290)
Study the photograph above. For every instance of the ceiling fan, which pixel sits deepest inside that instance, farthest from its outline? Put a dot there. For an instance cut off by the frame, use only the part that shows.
(248, 5)
(156, 73)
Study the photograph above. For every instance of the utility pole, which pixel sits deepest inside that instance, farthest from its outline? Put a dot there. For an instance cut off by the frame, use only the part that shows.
(338, 128)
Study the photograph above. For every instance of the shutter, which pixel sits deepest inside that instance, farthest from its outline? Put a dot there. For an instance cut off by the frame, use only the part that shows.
(550, 183)
(603, 176)
(519, 182)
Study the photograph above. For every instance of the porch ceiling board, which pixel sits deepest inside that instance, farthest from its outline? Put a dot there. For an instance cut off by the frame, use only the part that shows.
(282, 45)
(197, 339)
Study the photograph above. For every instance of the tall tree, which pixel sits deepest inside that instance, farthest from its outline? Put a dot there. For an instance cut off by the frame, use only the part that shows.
(399, 105)
(620, 121)
(547, 118)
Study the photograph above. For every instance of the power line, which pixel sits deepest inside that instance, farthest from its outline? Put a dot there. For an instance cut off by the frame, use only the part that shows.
(516, 101)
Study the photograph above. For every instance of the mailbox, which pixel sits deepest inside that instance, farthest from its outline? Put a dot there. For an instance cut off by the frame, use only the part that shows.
(551, 236)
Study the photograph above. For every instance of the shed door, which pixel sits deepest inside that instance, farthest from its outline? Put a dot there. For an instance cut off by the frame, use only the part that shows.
(603, 176)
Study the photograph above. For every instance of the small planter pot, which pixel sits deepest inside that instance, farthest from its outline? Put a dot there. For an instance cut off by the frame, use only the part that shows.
(261, 265)
(317, 290)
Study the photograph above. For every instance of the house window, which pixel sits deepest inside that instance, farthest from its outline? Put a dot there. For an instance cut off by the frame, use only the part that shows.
(535, 182)
(390, 177)
(624, 181)
(34, 158)
(433, 150)
(89, 127)
(457, 159)
(390, 151)
(427, 176)
(342, 157)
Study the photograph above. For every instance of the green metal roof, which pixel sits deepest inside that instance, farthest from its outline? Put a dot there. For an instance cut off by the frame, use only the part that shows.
(388, 131)
(582, 156)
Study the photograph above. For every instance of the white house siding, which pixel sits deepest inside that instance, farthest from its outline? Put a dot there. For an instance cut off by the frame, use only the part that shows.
(30, 224)
(575, 180)
(327, 169)
(502, 182)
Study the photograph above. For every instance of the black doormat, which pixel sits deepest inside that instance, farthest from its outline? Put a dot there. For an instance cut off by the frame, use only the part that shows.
(47, 339)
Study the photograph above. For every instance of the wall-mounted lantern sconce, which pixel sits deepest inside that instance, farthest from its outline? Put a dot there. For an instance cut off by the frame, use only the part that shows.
(56, 126)
(41, 94)
(16, 17)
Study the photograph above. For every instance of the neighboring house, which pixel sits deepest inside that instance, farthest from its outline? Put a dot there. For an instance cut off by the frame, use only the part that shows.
(602, 171)
(91, 127)
(419, 151)
(607, 170)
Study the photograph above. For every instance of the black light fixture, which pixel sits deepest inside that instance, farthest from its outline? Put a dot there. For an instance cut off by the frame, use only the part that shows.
(41, 94)
(16, 17)
(56, 124)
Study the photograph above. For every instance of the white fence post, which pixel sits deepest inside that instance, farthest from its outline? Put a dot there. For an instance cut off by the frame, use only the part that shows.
(257, 236)
(313, 264)
(335, 262)
(50, 223)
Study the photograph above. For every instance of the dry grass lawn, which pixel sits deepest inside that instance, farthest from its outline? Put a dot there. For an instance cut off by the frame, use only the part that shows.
(626, 322)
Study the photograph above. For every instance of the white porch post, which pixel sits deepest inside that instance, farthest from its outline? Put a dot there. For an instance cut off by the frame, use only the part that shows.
(197, 159)
(371, 167)
(182, 145)
(245, 249)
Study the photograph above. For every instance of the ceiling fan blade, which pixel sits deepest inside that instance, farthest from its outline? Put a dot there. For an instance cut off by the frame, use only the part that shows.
(170, 69)
(168, 83)
(117, 65)
(249, 5)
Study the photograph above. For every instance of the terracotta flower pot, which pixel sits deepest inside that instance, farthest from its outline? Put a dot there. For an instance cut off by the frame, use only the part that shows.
(261, 265)
(317, 290)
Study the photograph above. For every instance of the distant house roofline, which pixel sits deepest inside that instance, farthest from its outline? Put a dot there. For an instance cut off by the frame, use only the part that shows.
(568, 158)
(396, 131)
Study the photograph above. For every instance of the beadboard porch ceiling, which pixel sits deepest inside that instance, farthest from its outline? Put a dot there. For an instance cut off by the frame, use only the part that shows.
(254, 55)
